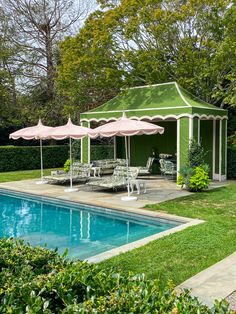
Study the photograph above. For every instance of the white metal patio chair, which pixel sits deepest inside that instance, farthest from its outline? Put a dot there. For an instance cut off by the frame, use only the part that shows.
(148, 168)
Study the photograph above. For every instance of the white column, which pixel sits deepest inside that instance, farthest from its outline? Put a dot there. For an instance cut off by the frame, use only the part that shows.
(89, 157)
(226, 125)
(129, 148)
(214, 150)
(190, 129)
(115, 152)
(81, 147)
(220, 151)
(199, 130)
(178, 146)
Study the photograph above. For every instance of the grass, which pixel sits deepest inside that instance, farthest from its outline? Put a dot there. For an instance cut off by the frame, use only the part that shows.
(183, 254)
(22, 175)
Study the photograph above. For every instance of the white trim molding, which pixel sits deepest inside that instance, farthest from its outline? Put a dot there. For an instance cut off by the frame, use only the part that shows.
(89, 142)
(226, 125)
(220, 151)
(182, 96)
(152, 85)
(214, 149)
(131, 110)
(178, 146)
(190, 129)
(199, 130)
(81, 150)
(161, 118)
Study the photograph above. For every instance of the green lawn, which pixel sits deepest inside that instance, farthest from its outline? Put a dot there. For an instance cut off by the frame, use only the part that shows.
(22, 175)
(183, 254)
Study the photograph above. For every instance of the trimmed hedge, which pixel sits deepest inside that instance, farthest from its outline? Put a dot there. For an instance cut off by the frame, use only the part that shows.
(97, 151)
(231, 163)
(36, 280)
(13, 158)
(101, 152)
(28, 157)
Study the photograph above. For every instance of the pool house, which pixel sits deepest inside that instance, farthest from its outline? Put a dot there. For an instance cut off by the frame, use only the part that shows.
(183, 116)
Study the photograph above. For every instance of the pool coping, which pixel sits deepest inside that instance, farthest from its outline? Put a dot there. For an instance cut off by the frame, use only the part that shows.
(186, 222)
(136, 244)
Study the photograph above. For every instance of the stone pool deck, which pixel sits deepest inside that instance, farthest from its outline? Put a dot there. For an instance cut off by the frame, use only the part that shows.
(158, 190)
(214, 283)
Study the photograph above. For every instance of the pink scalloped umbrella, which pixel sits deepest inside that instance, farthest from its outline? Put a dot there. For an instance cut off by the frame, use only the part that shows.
(126, 127)
(62, 132)
(31, 133)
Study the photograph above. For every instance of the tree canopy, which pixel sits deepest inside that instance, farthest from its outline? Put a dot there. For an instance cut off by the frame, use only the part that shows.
(123, 43)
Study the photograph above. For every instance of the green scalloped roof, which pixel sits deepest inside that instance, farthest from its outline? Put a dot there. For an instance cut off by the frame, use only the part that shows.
(166, 98)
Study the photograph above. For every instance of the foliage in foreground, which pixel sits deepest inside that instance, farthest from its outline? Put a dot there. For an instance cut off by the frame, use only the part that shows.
(36, 280)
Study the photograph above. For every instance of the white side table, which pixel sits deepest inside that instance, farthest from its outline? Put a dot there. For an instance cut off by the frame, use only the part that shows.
(96, 171)
(138, 183)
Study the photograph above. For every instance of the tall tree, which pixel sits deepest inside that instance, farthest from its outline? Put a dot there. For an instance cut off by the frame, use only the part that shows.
(89, 72)
(150, 42)
(170, 40)
(8, 73)
(39, 26)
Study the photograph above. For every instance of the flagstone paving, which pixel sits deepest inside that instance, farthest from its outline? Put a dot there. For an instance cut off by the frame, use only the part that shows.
(232, 300)
(158, 190)
(216, 282)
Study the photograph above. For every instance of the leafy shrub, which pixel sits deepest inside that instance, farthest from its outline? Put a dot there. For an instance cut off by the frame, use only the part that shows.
(184, 176)
(28, 157)
(195, 175)
(36, 280)
(194, 179)
(196, 154)
(67, 165)
(199, 179)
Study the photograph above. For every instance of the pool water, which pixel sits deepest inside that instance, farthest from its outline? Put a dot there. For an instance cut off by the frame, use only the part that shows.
(84, 230)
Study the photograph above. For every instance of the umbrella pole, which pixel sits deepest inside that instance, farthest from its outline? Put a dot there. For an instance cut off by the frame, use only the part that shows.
(128, 197)
(71, 183)
(42, 181)
(127, 163)
(41, 157)
(71, 189)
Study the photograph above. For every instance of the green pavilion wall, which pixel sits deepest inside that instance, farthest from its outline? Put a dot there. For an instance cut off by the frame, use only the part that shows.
(206, 140)
(85, 146)
(220, 149)
(142, 146)
(210, 132)
(182, 141)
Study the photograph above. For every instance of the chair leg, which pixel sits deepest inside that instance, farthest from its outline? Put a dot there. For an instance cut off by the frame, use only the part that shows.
(145, 188)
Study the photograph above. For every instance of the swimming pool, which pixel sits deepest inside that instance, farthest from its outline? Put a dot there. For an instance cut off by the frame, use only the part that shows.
(82, 229)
